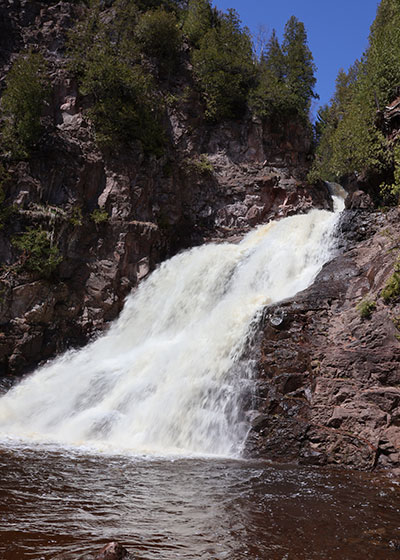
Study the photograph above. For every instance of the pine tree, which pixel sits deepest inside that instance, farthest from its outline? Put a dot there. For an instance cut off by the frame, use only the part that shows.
(224, 68)
(356, 143)
(273, 60)
(271, 97)
(27, 87)
(383, 54)
(300, 66)
(198, 20)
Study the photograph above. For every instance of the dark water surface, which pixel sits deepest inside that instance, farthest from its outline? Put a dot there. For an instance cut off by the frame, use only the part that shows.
(59, 502)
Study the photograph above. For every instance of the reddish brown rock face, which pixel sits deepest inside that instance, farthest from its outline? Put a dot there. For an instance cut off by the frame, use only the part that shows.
(155, 206)
(329, 379)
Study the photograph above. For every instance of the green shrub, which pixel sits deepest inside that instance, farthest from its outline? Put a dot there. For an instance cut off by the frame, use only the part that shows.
(76, 217)
(27, 87)
(200, 164)
(38, 253)
(391, 192)
(366, 308)
(391, 291)
(159, 37)
(99, 216)
(125, 106)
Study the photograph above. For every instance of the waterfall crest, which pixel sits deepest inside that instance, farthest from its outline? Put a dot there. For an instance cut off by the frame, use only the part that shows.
(168, 375)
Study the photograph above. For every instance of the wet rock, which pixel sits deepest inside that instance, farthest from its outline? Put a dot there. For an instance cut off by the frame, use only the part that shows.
(329, 376)
(312, 457)
(359, 200)
(113, 551)
(259, 422)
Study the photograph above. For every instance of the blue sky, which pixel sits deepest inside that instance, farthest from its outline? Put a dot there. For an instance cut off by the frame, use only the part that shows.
(337, 30)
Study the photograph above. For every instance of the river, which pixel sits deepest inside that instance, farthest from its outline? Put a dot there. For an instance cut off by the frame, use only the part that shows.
(56, 501)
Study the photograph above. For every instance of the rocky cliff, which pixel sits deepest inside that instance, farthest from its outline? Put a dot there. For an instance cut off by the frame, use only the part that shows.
(212, 182)
(329, 373)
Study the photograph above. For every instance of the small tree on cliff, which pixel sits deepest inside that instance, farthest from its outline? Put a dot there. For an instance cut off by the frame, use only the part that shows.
(22, 104)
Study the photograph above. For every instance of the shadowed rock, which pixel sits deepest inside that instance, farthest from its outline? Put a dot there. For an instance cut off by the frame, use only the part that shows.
(329, 381)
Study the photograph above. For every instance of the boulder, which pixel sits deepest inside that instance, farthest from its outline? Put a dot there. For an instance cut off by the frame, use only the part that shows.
(113, 551)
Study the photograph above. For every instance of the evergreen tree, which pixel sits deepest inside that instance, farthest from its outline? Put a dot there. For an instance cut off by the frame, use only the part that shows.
(383, 55)
(27, 87)
(357, 144)
(198, 20)
(286, 75)
(159, 37)
(224, 68)
(124, 104)
(271, 97)
(273, 60)
(300, 66)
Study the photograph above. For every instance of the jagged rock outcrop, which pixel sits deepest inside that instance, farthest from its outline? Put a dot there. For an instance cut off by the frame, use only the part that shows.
(212, 182)
(328, 388)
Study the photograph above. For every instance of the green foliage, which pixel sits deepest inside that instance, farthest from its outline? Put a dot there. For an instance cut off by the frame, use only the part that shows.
(357, 143)
(201, 165)
(285, 75)
(170, 5)
(22, 104)
(159, 37)
(352, 142)
(391, 291)
(76, 217)
(270, 97)
(383, 55)
(224, 68)
(127, 44)
(324, 128)
(99, 216)
(300, 66)
(125, 105)
(199, 19)
(396, 323)
(125, 108)
(366, 308)
(38, 253)
(391, 192)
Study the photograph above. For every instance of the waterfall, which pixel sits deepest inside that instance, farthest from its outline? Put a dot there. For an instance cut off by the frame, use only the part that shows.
(168, 376)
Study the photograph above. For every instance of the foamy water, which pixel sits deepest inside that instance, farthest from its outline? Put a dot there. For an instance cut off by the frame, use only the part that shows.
(169, 375)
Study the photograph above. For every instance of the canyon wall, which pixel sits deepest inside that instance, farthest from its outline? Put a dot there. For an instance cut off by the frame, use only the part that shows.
(211, 182)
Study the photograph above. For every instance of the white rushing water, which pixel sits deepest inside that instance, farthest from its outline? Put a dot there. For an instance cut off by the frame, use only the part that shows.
(169, 374)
